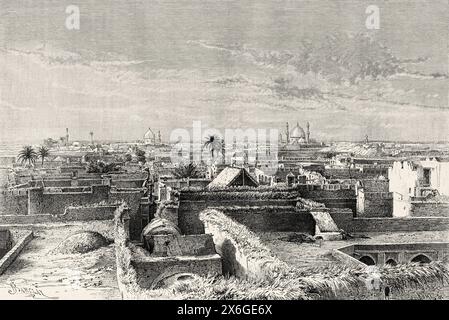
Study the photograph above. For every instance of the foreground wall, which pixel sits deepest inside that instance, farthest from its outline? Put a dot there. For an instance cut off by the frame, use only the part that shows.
(22, 240)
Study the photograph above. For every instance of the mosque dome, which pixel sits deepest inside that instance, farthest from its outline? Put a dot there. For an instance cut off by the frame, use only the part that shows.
(297, 132)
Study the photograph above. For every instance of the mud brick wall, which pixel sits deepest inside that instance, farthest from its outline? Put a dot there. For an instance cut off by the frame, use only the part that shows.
(333, 198)
(13, 253)
(137, 218)
(13, 204)
(131, 183)
(40, 202)
(345, 220)
(170, 212)
(5, 241)
(275, 221)
(189, 222)
(375, 185)
(149, 269)
(137, 271)
(187, 245)
(429, 209)
(240, 260)
(376, 205)
(54, 183)
(71, 214)
(343, 217)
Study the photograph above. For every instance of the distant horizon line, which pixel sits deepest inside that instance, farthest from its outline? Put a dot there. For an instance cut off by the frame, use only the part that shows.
(40, 141)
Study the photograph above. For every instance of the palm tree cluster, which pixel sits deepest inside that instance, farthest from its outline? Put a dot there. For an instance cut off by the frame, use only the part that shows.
(184, 171)
(29, 156)
(102, 167)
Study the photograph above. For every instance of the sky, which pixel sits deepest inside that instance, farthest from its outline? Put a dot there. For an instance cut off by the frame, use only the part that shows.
(230, 64)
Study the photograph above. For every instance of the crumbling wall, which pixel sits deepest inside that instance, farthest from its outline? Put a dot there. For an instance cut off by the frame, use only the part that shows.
(244, 256)
(138, 219)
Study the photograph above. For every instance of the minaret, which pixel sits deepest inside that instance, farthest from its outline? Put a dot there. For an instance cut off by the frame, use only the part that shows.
(159, 136)
(223, 151)
(67, 136)
(287, 132)
(257, 152)
(308, 132)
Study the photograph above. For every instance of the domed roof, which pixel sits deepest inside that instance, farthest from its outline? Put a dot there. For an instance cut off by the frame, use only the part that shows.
(160, 226)
(297, 132)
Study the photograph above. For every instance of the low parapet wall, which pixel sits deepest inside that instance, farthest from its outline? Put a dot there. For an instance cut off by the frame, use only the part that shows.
(100, 212)
(5, 241)
(12, 254)
(345, 220)
(429, 209)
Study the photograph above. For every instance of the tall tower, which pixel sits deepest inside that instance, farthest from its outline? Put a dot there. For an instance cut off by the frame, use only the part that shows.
(67, 136)
(159, 136)
(223, 151)
(308, 132)
(287, 133)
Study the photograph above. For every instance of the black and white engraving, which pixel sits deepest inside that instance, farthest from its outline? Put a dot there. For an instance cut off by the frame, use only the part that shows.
(224, 150)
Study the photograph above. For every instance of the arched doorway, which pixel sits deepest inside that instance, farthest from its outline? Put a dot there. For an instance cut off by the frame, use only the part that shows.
(367, 260)
(391, 262)
(421, 258)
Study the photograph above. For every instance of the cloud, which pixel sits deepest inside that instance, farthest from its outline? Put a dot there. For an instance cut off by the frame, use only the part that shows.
(13, 107)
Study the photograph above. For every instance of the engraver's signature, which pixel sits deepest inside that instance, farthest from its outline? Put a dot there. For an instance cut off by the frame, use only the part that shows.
(26, 290)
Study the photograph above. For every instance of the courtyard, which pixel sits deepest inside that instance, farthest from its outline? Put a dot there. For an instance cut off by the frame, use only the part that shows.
(38, 273)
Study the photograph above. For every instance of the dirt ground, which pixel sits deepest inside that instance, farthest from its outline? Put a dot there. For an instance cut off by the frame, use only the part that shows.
(37, 274)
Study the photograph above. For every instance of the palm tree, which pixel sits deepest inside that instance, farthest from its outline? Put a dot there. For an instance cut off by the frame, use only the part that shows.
(43, 153)
(27, 154)
(212, 143)
(186, 171)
